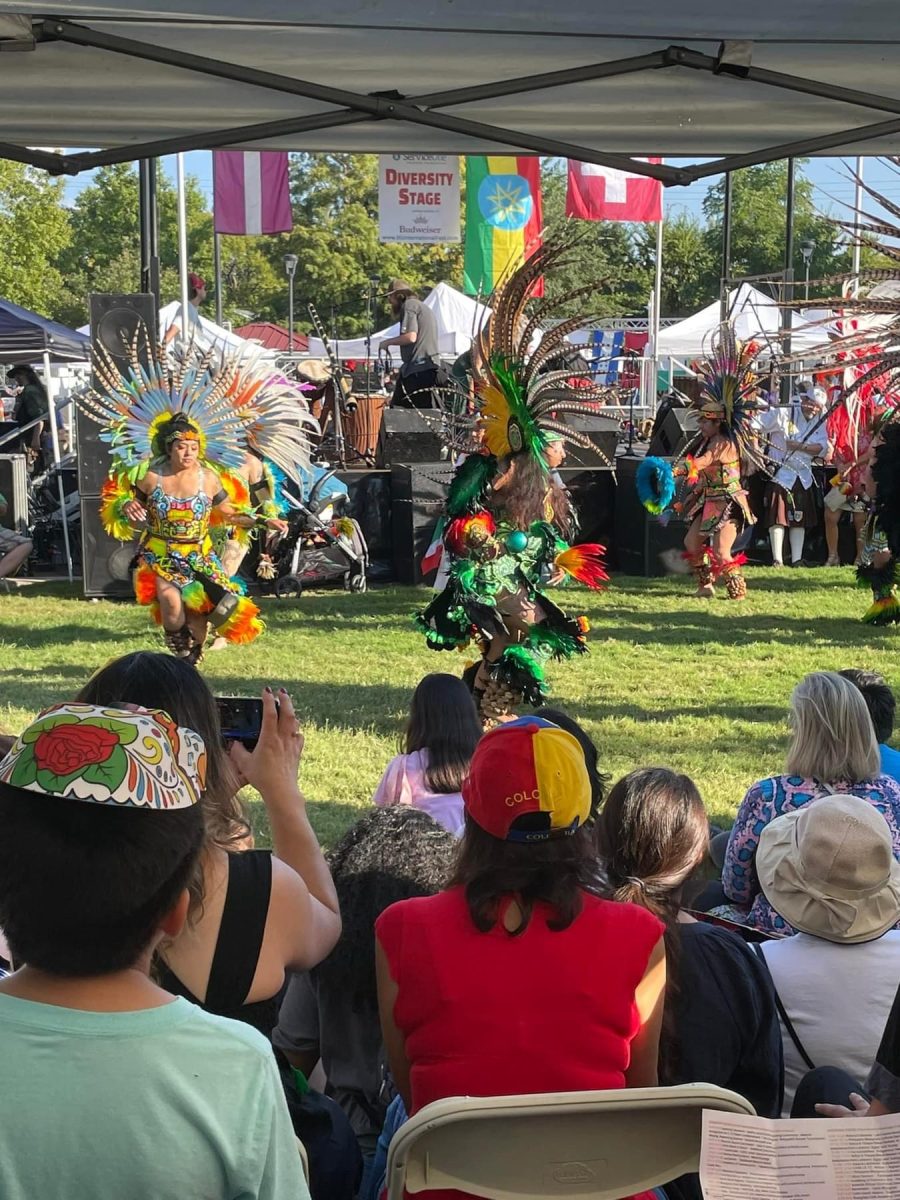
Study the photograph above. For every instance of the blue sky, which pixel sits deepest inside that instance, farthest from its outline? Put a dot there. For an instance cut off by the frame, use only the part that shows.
(833, 188)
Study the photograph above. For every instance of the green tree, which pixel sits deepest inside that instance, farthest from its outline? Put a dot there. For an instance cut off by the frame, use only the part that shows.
(335, 238)
(606, 260)
(759, 200)
(33, 231)
(690, 270)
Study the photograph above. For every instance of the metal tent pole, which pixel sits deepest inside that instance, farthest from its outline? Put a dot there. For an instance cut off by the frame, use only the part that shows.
(182, 249)
(54, 438)
(786, 314)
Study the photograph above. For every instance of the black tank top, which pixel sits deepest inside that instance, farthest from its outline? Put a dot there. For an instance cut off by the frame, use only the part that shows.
(237, 947)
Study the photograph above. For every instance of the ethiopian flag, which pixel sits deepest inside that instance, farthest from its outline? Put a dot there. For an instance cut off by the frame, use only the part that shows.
(503, 218)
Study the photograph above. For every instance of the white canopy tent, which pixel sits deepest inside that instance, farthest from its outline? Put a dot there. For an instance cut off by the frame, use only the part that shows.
(205, 333)
(587, 81)
(755, 316)
(458, 317)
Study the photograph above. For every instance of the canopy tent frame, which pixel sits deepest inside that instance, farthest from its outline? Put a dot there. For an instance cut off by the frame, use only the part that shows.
(733, 61)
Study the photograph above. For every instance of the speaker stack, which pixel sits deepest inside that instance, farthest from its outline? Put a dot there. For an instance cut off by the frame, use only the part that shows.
(411, 446)
(115, 319)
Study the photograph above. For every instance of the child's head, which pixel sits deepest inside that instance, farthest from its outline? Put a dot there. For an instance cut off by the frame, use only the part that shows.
(102, 826)
(444, 721)
(390, 854)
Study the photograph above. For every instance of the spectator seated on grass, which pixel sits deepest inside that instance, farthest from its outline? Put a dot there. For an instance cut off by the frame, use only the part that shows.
(331, 1012)
(829, 871)
(521, 976)
(438, 743)
(254, 914)
(882, 707)
(833, 751)
(114, 1087)
(720, 1024)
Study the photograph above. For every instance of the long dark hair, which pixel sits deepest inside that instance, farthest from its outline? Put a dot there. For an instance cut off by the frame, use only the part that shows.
(556, 872)
(444, 721)
(525, 497)
(390, 854)
(163, 681)
(652, 833)
(598, 778)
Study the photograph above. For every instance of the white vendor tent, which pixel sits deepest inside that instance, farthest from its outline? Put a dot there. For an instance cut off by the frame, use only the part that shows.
(458, 317)
(205, 333)
(755, 316)
(595, 82)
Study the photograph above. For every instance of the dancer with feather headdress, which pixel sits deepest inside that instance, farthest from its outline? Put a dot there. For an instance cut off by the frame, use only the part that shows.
(711, 496)
(509, 519)
(179, 430)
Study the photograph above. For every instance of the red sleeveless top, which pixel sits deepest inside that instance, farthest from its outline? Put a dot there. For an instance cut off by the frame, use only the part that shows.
(487, 1014)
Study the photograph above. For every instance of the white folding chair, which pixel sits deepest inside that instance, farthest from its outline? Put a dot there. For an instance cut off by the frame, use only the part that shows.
(600, 1145)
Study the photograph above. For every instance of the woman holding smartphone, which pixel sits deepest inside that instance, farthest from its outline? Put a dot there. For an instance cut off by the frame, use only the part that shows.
(255, 914)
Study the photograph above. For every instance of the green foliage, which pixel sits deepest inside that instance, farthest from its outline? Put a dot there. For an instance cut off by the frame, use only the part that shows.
(34, 230)
(758, 224)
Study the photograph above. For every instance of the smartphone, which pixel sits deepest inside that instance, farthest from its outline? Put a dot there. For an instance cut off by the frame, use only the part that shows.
(241, 719)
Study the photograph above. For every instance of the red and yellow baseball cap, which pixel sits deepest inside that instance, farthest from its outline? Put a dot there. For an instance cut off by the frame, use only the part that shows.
(528, 782)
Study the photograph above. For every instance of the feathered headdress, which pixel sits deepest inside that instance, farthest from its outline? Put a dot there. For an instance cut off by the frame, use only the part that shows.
(729, 390)
(528, 388)
(233, 402)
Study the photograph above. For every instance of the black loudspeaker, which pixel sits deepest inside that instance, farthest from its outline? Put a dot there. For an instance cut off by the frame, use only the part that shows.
(593, 494)
(673, 431)
(639, 537)
(408, 437)
(14, 488)
(105, 562)
(115, 320)
(603, 432)
(419, 493)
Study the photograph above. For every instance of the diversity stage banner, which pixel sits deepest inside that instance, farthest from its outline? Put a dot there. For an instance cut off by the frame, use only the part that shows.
(418, 198)
(503, 217)
(251, 192)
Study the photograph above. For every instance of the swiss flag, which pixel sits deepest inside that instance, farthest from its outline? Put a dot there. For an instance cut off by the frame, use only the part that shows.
(601, 194)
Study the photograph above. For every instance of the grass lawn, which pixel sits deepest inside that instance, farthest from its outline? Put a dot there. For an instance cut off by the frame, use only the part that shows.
(701, 687)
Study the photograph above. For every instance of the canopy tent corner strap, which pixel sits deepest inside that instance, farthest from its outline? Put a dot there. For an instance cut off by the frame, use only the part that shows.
(733, 61)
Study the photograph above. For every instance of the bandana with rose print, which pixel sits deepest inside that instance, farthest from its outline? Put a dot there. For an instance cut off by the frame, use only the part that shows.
(129, 758)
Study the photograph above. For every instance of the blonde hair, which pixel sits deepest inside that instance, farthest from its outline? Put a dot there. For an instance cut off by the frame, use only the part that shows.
(833, 736)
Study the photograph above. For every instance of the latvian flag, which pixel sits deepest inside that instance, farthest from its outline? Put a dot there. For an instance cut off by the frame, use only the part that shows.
(251, 193)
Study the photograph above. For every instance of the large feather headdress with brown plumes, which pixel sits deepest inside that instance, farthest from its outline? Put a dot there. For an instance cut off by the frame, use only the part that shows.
(730, 389)
(528, 388)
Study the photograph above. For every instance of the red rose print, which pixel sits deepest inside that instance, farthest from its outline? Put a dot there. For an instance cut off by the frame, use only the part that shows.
(65, 748)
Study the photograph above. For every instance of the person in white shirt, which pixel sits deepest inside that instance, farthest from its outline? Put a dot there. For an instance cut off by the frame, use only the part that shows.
(829, 870)
(796, 436)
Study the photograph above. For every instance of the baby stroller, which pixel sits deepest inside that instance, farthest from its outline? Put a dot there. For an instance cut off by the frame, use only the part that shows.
(322, 543)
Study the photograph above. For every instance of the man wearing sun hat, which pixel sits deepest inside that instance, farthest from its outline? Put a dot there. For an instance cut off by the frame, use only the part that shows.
(828, 869)
(418, 344)
(114, 1088)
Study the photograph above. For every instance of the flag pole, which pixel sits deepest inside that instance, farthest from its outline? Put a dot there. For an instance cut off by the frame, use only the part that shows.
(654, 318)
(182, 247)
(217, 268)
(857, 208)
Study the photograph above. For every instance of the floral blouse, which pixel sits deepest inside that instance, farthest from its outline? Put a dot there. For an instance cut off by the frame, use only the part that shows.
(771, 798)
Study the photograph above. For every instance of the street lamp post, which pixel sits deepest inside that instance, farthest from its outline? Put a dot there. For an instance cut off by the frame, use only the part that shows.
(807, 249)
(290, 267)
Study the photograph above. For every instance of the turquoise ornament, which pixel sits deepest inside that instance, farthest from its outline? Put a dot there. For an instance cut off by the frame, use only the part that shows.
(517, 542)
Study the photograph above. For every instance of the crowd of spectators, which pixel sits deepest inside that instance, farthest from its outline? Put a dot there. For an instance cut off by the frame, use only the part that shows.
(180, 1007)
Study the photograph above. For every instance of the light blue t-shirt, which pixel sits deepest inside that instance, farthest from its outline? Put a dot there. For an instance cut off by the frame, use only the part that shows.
(167, 1103)
(890, 761)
